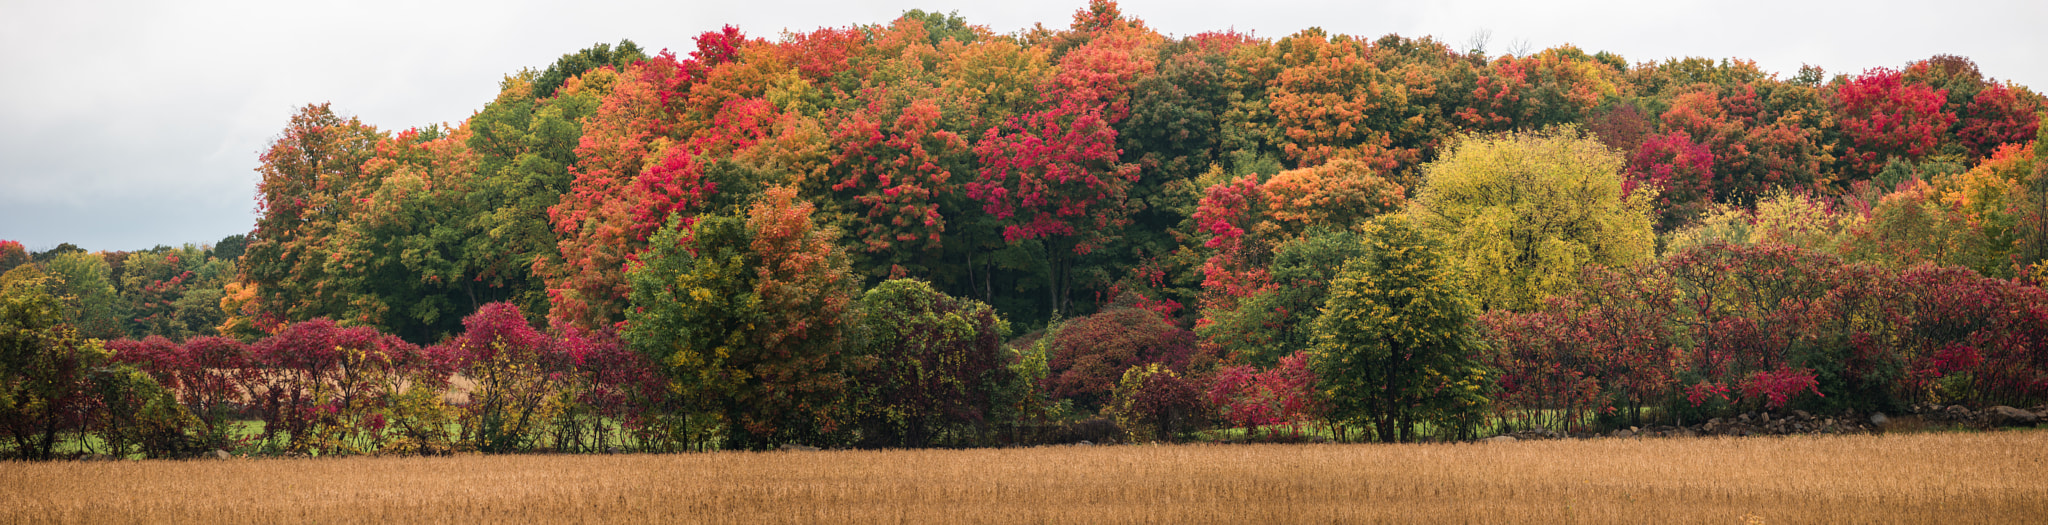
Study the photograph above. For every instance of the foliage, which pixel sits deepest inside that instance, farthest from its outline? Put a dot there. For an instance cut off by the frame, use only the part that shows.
(1056, 173)
(1999, 115)
(1988, 113)
(1329, 101)
(133, 413)
(1275, 246)
(1722, 327)
(311, 182)
(1338, 194)
(1152, 401)
(1762, 317)
(1679, 170)
(241, 315)
(84, 282)
(1806, 220)
(1995, 205)
(939, 366)
(524, 147)
(636, 166)
(1090, 354)
(43, 367)
(1884, 117)
(1284, 394)
(575, 64)
(1520, 213)
(899, 163)
(1394, 344)
(1915, 225)
(674, 219)
(208, 376)
(174, 292)
(518, 374)
(1053, 174)
(1274, 321)
(1974, 339)
(334, 390)
(12, 255)
(1762, 135)
(747, 319)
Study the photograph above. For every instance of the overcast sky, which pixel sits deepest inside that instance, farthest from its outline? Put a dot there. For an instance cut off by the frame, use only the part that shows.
(124, 125)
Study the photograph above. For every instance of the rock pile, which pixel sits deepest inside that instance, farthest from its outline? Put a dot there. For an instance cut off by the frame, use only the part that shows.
(1993, 417)
(1794, 422)
(1801, 422)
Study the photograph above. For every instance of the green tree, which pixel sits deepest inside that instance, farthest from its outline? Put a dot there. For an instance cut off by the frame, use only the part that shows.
(942, 27)
(402, 258)
(572, 65)
(1395, 345)
(939, 369)
(83, 283)
(1275, 321)
(61, 249)
(229, 248)
(748, 319)
(692, 309)
(524, 146)
(1521, 213)
(44, 363)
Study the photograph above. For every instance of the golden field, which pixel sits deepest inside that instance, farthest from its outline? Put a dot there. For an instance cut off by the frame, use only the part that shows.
(1993, 477)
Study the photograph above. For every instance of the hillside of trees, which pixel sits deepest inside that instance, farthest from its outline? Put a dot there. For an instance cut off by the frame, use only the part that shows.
(922, 232)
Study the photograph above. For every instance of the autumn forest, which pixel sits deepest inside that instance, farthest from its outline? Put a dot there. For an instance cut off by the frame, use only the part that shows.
(924, 233)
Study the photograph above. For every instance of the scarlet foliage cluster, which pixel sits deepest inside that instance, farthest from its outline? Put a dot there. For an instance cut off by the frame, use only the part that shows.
(1975, 338)
(1283, 395)
(1997, 116)
(1145, 290)
(1883, 117)
(1758, 141)
(1679, 170)
(1053, 172)
(330, 389)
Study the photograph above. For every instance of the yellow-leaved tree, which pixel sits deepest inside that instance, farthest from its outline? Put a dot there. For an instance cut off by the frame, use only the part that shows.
(1521, 213)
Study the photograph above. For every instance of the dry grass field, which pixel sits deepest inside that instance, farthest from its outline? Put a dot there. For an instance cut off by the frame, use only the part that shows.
(1995, 477)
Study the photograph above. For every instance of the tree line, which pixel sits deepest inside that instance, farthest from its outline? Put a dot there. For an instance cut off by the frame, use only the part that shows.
(925, 233)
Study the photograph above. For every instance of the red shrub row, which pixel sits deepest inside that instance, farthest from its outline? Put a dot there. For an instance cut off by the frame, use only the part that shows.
(1727, 327)
(321, 388)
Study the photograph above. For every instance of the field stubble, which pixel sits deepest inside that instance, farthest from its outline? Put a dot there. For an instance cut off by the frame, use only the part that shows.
(1947, 477)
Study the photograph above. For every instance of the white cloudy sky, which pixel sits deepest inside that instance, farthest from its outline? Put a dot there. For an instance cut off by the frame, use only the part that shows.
(129, 124)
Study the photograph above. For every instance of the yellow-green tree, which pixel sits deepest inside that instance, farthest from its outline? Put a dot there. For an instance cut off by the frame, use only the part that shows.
(940, 366)
(1521, 213)
(83, 283)
(1395, 345)
(749, 317)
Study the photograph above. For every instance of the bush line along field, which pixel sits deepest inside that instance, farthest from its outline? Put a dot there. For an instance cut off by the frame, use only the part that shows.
(1991, 477)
